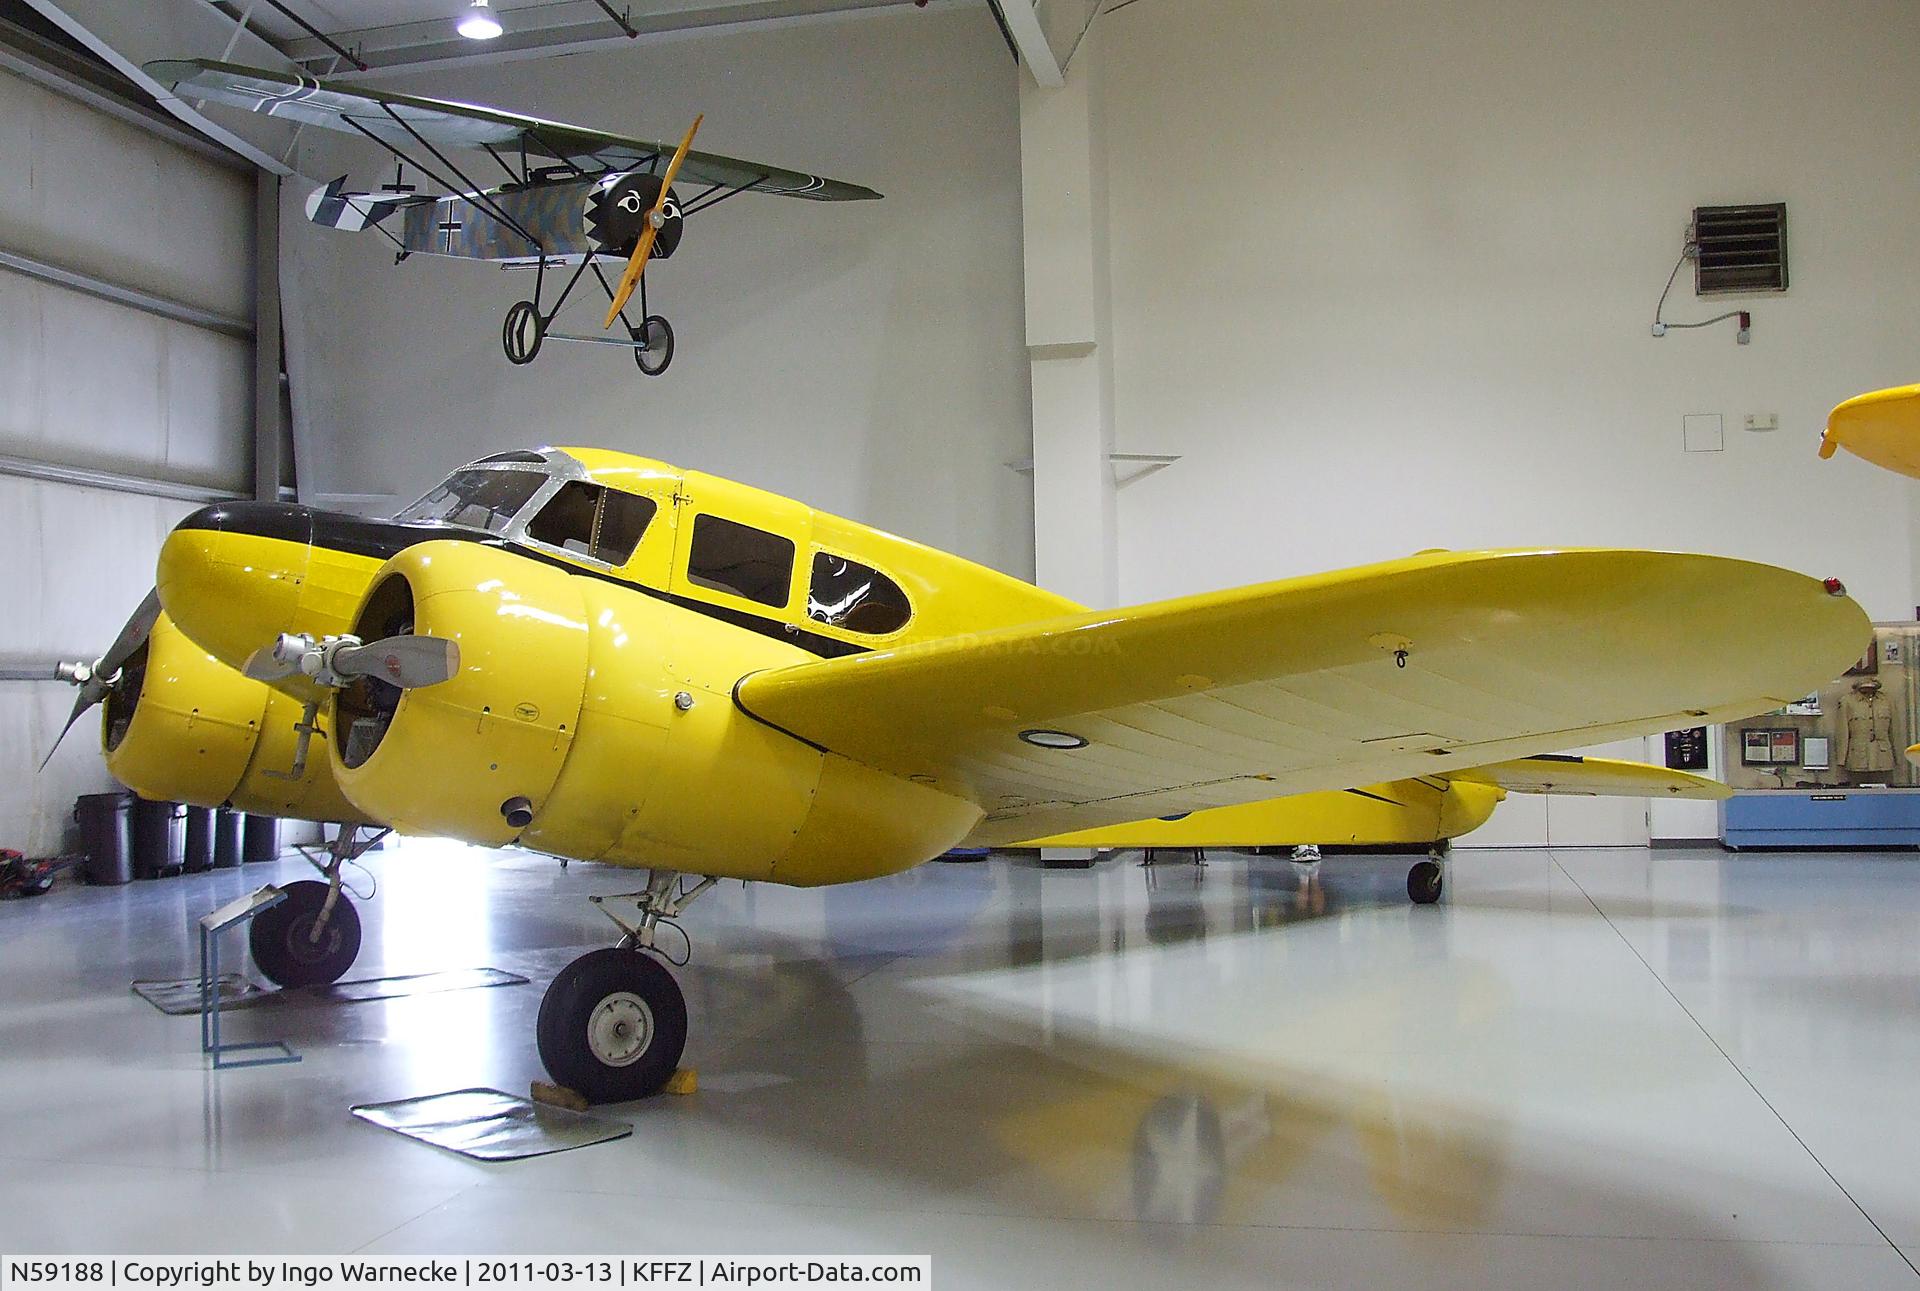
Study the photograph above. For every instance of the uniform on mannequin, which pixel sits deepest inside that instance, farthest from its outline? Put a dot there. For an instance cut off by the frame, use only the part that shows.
(1866, 729)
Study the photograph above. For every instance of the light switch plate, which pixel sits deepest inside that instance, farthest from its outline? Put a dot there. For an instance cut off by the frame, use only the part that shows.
(1763, 421)
(1703, 432)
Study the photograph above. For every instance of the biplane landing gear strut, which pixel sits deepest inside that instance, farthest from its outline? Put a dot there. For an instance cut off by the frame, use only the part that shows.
(313, 937)
(614, 1023)
(527, 326)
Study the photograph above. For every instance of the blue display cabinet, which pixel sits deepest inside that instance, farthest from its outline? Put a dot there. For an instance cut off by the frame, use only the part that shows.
(1801, 818)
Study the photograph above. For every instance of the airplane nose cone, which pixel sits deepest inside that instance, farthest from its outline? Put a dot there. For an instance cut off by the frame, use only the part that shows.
(230, 574)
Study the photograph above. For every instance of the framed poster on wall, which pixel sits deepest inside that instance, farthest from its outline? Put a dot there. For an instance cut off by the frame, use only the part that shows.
(1687, 750)
(1769, 746)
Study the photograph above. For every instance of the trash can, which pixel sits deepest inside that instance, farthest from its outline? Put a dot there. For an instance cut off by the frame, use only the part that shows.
(228, 826)
(159, 839)
(199, 856)
(262, 839)
(106, 832)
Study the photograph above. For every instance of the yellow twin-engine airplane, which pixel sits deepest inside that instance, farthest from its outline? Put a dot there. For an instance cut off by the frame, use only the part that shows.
(606, 658)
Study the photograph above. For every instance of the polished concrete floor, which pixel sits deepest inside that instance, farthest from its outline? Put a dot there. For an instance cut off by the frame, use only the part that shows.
(1585, 1068)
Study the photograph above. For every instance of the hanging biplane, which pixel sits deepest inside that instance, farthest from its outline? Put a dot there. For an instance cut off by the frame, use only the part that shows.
(609, 659)
(573, 196)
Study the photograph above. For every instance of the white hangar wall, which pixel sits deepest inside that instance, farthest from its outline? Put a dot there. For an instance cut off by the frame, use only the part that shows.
(89, 383)
(866, 358)
(1383, 272)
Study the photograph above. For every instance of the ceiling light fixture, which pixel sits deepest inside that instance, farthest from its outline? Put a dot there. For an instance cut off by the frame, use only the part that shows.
(478, 22)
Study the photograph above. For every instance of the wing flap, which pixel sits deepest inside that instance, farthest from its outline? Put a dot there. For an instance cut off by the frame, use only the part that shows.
(1560, 773)
(1298, 686)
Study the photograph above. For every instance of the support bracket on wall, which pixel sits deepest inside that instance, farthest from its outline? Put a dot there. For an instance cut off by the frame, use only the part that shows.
(1144, 464)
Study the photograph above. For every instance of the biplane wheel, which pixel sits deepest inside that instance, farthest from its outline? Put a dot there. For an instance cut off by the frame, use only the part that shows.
(1424, 882)
(522, 333)
(284, 947)
(613, 1025)
(654, 348)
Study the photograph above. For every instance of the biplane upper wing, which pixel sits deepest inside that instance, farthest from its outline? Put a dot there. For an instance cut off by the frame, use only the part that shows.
(1397, 670)
(403, 120)
(1881, 426)
(1560, 773)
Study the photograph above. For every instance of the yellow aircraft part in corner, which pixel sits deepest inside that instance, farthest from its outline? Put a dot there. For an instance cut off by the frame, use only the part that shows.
(1881, 427)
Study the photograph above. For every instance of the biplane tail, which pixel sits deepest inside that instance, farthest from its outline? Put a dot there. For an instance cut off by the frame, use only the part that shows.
(333, 207)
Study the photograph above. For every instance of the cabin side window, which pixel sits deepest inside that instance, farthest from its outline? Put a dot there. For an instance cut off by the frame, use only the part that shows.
(593, 521)
(857, 597)
(732, 557)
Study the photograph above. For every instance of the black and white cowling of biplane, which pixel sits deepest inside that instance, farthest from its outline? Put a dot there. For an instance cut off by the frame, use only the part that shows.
(573, 198)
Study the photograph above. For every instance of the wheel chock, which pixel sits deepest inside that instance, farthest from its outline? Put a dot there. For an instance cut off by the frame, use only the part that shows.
(684, 1080)
(558, 1096)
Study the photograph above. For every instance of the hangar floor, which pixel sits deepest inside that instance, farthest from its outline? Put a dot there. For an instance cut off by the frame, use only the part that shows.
(1586, 1067)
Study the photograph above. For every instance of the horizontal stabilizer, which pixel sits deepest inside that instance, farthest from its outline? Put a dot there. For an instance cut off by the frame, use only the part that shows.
(333, 207)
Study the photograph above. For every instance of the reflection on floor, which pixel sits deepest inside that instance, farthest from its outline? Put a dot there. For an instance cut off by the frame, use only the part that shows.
(1583, 1067)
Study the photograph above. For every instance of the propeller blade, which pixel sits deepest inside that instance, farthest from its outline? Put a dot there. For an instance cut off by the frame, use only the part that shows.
(265, 665)
(408, 662)
(85, 700)
(637, 262)
(132, 634)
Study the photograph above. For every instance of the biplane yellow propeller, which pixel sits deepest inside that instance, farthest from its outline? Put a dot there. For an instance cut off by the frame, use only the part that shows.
(1881, 426)
(637, 263)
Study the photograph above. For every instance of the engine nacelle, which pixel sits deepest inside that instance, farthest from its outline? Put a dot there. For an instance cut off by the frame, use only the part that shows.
(182, 726)
(595, 720)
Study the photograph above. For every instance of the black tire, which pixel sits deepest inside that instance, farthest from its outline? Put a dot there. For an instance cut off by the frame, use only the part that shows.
(1424, 882)
(655, 350)
(281, 938)
(590, 1013)
(523, 333)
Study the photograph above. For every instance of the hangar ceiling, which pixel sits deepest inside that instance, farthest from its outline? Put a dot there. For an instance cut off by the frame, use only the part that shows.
(404, 33)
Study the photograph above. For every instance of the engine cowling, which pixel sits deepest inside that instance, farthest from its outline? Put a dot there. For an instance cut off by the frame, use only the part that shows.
(593, 720)
(181, 726)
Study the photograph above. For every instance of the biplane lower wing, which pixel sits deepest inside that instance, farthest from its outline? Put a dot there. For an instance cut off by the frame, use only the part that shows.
(1417, 667)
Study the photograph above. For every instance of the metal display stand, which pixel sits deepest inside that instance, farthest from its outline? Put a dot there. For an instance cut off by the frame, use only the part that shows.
(232, 915)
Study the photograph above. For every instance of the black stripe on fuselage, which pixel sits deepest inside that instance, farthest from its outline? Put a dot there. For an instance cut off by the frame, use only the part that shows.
(383, 539)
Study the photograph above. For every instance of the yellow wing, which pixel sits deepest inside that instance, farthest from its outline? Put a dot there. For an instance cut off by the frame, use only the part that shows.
(1398, 670)
(1882, 427)
(1595, 777)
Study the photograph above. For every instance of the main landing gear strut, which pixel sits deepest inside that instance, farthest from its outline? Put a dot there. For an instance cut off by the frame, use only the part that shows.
(312, 938)
(614, 1022)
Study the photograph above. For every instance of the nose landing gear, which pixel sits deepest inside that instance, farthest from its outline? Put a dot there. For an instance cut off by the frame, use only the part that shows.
(614, 1023)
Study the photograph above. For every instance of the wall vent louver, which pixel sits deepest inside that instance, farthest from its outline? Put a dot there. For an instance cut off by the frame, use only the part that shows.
(1740, 249)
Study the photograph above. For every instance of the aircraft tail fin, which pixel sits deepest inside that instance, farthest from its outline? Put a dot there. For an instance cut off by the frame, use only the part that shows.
(334, 208)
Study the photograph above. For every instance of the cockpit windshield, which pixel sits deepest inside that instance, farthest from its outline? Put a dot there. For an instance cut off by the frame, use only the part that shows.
(476, 499)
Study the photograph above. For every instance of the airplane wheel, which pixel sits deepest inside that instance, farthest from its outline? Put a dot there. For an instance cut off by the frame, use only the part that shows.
(613, 1025)
(655, 350)
(1424, 882)
(522, 333)
(283, 944)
